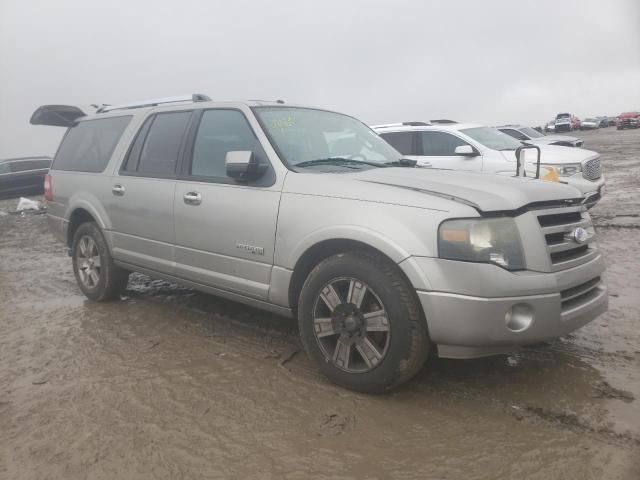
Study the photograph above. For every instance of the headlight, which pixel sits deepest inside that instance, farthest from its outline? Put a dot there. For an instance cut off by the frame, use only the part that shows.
(487, 240)
(567, 169)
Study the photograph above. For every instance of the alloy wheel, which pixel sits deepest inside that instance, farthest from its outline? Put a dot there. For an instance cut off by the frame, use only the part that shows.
(351, 325)
(88, 262)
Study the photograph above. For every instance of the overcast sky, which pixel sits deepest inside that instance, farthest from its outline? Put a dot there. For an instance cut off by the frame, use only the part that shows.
(485, 61)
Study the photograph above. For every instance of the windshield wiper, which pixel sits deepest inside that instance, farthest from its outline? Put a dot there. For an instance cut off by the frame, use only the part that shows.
(338, 161)
(403, 162)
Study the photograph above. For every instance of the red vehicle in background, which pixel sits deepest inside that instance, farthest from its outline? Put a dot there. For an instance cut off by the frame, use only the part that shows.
(628, 120)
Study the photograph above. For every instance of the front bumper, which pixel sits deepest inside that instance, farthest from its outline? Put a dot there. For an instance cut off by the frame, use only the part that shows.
(592, 190)
(467, 305)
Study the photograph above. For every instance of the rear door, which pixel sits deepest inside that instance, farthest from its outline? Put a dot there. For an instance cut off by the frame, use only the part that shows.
(142, 193)
(225, 230)
(437, 150)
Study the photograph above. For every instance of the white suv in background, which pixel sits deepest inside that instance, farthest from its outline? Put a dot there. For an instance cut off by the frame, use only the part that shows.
(477, 148)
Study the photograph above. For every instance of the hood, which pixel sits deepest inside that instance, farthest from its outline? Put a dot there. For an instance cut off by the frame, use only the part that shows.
(553, 155)
(430, 188)
(557, 155)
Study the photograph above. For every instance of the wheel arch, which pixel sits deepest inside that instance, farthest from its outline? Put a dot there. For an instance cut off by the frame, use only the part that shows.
(323, 249)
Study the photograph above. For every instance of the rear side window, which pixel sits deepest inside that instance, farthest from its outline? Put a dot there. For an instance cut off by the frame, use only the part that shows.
(440, 144)
(159, 153)
(87, 146)
(401, 141)
(221, 131)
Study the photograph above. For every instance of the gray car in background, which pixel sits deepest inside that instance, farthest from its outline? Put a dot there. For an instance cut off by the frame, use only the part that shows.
(309, 213)
(23, 176)
(534, 137)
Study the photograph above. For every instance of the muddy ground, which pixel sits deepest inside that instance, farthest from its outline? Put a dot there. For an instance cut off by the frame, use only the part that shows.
(170, 383)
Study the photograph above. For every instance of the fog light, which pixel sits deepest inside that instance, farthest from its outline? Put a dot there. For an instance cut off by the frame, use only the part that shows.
(519, 317)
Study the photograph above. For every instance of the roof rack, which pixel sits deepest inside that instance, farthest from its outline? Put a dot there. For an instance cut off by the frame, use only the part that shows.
(402, 124)
(442, 121)
(194, 97)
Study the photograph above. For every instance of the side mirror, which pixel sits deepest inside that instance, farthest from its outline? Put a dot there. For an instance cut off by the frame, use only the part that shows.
(466, 151)
(244, 166)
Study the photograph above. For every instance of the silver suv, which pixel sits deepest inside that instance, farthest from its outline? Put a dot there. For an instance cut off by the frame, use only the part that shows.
(309, 213)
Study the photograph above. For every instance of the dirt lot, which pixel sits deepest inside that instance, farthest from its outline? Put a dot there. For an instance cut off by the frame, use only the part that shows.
(170, 383)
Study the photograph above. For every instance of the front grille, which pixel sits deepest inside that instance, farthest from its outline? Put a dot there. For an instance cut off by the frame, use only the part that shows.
(591, 169)
(558, 225)
(575, 296)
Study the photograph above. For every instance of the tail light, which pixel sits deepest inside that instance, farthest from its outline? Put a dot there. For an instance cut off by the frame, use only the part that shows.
(48, 191)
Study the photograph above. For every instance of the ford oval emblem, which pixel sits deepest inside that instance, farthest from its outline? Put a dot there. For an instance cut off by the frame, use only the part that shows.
(580, 235)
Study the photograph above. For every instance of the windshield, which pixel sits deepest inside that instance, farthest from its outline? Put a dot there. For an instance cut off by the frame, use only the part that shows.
(563, 116)
(531, 132)
(492, 138)
(303, 135)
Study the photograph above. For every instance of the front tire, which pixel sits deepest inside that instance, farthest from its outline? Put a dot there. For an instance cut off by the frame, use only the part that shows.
(361, 322)
(97, 276)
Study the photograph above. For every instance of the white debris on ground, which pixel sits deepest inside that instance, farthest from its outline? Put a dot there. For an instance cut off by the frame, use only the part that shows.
(26, 204)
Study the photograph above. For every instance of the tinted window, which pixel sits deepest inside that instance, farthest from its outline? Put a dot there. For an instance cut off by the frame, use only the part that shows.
(221, 131)
(87, 146)
(160, 151)
(401, 141)
(514, 133)
(133, 156)
(4, 168)
(440, 143)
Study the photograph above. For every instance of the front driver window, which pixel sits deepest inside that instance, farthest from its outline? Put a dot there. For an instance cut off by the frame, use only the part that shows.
(440, 144)
(221, 131)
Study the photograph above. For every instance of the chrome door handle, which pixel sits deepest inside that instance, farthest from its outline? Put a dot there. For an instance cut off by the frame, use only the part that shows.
(192, 198)
(118, 190)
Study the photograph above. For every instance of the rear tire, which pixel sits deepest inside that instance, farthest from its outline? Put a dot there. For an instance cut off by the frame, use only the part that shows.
(361, 322)
(98, 277)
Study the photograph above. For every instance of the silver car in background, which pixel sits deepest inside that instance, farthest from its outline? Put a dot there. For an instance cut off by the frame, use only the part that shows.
(534, 137)
(309, 213)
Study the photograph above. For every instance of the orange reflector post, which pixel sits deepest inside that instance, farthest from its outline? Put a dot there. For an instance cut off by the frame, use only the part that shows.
(450, 235)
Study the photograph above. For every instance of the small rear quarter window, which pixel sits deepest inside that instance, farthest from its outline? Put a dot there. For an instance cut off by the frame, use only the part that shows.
(87, 146)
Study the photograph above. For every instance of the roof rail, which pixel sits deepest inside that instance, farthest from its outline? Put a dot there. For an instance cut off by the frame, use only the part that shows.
(443, 121)
(402, 124)
(194, 97)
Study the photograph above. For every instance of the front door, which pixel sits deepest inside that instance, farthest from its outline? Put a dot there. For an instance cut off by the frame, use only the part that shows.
(438, 151)
(225, 230)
